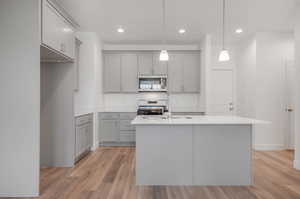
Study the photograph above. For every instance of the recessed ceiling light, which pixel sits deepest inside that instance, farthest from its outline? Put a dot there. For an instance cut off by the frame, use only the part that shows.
(181, 31)
(121, 30)
(239, 31)
(67, 30)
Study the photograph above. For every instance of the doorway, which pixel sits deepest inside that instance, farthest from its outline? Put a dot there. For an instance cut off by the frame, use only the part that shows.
(290, 78)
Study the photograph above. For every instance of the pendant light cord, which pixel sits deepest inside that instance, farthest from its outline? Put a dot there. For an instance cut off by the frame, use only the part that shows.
(164, 21)
(223, 27)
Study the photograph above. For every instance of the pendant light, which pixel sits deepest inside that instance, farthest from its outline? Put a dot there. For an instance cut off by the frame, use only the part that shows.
(164, 56)
(224, 54)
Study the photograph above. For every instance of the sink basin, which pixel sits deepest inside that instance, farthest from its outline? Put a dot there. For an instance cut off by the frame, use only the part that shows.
(181, 117)
(165, 117)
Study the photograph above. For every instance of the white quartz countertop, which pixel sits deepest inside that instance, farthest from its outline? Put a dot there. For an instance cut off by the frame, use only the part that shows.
(194, 120)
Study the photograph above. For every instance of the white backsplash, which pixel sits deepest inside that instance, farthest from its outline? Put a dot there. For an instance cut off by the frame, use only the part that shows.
(128, 102)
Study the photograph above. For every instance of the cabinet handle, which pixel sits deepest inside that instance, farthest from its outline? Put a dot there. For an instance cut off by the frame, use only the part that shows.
(62, 47)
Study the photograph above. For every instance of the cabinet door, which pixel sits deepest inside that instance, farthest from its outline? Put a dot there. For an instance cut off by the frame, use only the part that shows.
(90, 135)
(51, 29)
(129, 70)
(191, 73)
(68, 41)
(145, 62)
(109, 131)
(175, 73)
(112, 73)
(159, 67)
(80, 132)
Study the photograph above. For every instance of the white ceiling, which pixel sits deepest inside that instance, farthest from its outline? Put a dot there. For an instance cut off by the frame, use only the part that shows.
(142, 18)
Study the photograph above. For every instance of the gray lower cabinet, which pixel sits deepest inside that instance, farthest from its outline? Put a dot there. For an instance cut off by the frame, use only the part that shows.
(109, 131)
(115, 129)
(84, 135)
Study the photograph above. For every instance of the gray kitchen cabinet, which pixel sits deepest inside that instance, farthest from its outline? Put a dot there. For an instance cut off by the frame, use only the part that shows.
(184, 72)
(110, 131)
(80, 140)
(83, 135)
(129, 70)
(191, 73)
(159, 67)
(115, 129)
(145, 64)
(112, 73)
(175, 73)
(57, 33)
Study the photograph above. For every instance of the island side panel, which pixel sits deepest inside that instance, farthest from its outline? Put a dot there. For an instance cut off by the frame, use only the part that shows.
(222, 155)
(164, 155)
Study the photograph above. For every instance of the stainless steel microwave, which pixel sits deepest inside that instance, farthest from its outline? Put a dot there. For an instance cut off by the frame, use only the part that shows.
(152, 83)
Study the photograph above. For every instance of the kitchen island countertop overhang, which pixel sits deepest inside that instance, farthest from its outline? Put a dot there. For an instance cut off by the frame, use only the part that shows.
(194, 120)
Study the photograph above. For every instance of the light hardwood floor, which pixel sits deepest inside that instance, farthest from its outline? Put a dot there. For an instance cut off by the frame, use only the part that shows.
(109, 173)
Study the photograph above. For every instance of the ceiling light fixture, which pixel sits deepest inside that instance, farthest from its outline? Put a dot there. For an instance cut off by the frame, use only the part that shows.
(224, 55)
(239, 31)
(121, 30)
(164, 56)
(181, 31)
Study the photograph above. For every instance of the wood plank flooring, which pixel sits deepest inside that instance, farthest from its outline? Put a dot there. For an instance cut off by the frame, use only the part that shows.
(109, 173)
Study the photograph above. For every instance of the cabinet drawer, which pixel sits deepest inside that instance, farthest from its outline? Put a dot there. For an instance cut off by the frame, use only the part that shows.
(110, 116)
(127, 116)
(125, 125)
(83, 120)
(127, 136)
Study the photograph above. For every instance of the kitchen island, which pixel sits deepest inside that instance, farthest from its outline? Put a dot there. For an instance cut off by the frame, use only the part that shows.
(194, 150)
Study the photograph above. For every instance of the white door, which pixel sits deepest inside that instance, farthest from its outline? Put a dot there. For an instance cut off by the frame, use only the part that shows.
(290, 113)
(221, 92)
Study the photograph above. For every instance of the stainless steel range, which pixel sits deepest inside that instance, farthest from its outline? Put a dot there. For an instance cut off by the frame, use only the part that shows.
(152, 107)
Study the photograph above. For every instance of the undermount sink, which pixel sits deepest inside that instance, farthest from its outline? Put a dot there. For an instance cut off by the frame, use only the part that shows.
(165, 117)
(181, 117)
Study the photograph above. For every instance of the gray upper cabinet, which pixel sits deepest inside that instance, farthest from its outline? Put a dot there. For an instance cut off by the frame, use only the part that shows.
(145, 63)
(121, 70)
(57, 33)
(129, 70)
(110, 131)
(159, 67)
(191, 73)
(175, 73)
(184, 72)
(112, 73)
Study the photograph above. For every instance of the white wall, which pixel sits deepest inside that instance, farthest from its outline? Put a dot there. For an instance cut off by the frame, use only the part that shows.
(261, 85)
(297, 100)
(89, 99)
(245, 70)
(20, 98)
(89, 64)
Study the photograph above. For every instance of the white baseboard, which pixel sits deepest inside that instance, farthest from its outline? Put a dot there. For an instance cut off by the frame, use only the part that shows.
(269, 147)
(297, 164)
(34, 195)
(94, 148)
